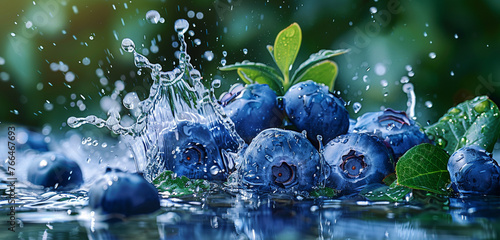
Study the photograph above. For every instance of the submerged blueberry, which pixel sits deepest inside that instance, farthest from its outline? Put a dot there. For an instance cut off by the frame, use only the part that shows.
(311, 107)
(394, 127)
(474, 171)
(55, 171)
(280, 160)
(190, 150)
(252, 108)
(119, 192)
(356, 160)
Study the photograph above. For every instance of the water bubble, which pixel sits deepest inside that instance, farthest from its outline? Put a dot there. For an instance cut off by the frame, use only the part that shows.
(380, 69)
(69, 76)
(408, 68)
(356, 107)
(404, 79)
(131, 100)
(181, 26)
(153, 16)
(86, 61)
(128, 45)
(199, 15)
(190, 14)
(209, 55)
(428, 104)
(216, 83)
(432, 55)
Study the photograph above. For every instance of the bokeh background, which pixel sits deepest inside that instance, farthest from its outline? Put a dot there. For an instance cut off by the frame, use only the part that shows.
(58, 58)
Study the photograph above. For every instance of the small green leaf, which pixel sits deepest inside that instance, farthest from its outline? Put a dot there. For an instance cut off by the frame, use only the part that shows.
(179, 186)
(315, 58)
(424, 167)
(255, 66)
(323, 72)
(473, 122)
(286, 48)
(324, 192)
(395, 193)
(255, 76)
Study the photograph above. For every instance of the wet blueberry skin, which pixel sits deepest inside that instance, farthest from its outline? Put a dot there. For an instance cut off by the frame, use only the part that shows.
(311, 107)
(190, 150)
(252, 108)
(356, 160)
(51, 169)
(280, 160)
(119, 192)
(474, 171)
(394, 127)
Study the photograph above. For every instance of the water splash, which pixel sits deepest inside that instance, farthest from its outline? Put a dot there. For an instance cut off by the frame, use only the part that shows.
(410, 91)
(176, 97)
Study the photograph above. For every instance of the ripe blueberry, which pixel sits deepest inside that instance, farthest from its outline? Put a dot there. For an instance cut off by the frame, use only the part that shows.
(252, 108)
(55, 171)
(356, 160)
(280, 160)
(123, 193)
(393, 127)
(311, 107)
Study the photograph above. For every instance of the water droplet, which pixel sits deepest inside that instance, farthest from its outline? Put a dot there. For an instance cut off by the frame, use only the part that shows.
(356, 107)
(452, 73)
(181, 26)
(214, 170)
(224, 53)
(245, 51)
(380, 69)
(373, 10)
(223, 62)
(456, 36)
(216, 83)
(209, 55)
(404, 79)
(43, 163)
(86, 61)
(197, 42)
(131, 100)
(432, 55)
(428, 104)
(384, 83)
(128, 45)
(153, 16)
(441, 142)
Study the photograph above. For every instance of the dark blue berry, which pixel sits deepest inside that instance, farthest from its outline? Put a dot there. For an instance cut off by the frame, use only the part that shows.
(393, 127)
(280, 160)
(124, 194)
(252, 108)
(356, 160)
(55, 171)
(311, 107)
(474, 171)
(190, 150)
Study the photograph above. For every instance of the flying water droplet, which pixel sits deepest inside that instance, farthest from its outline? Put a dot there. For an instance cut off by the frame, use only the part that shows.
(428, 104)
(209, 55)
(153, 16)
(181, 26)
(216, 83)
(410, 91)
(356, 107)
(128, 45)
(432, 55)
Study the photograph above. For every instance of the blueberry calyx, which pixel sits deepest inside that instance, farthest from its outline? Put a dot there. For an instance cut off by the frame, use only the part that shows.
(394, 118)
(353, 164)
(194, 152)
(284, 175)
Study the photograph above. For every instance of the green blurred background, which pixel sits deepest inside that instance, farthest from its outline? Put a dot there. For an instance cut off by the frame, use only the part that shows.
(60, 57)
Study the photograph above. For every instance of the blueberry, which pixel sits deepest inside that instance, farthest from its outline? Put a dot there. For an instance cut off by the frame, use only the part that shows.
(394, 127)
(190, 150)
(280, 160)
(119, 192)
(356, 160)
(474, 171)
(55, 171)
(311, 107)
(252, 108)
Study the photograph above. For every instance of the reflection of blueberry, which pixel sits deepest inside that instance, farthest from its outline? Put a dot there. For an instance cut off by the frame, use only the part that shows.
(279, 160)
(124, 193)
(252, 109)
(190, 150)
(394, 127)
(356, 160)
(474, 171)
(55, 170)
(311, 107)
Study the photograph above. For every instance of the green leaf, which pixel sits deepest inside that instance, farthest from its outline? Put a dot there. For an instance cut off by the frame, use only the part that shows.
(254, 66)
(324, 192)
(255, 76)
(473, 122)
(286, 48)
(270, 49)
(315, 58)
(424, 167)
(323, 72)
(395, 193)
(166, 182)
